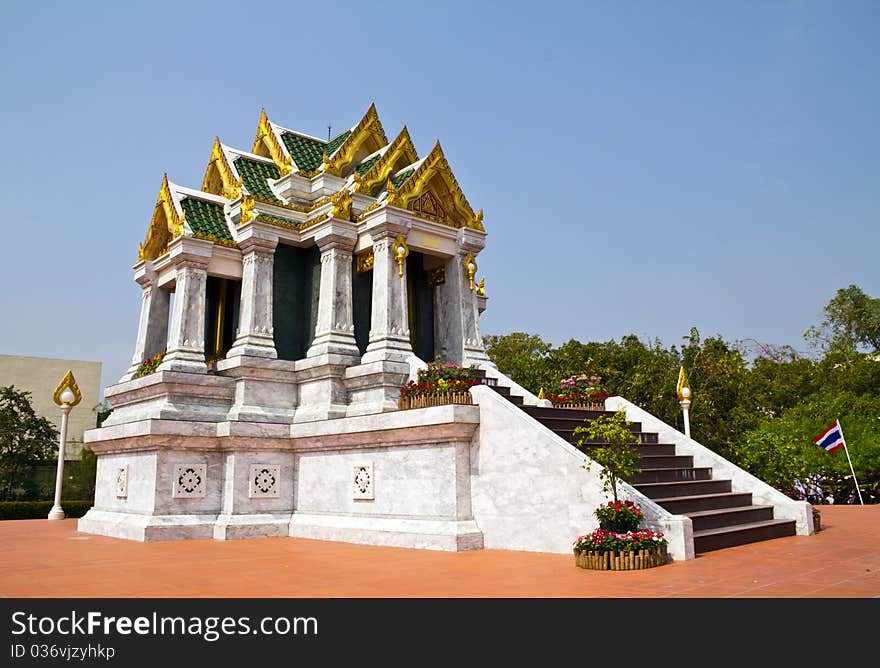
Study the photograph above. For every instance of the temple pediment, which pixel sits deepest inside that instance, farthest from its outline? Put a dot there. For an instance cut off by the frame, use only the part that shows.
(165, 225)
(221, 178)
(372, 174)
(365, 138)
(267, 144)
(431, 191)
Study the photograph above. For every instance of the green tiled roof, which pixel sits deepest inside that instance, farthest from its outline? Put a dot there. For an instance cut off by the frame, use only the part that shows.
(206, 218)
(253, 176)
(336, 142)
(366, 164)
(278, 220)
(400, 178)
(308, 153)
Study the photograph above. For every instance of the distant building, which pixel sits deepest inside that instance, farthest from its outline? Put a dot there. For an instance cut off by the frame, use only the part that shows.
(41, 375)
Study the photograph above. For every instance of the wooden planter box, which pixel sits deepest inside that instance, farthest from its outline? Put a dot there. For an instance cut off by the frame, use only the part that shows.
(427, 400)
(588, 407)
(621, 561)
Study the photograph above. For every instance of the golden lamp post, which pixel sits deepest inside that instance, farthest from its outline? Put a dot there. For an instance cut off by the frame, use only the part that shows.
(66, 396)
(683, 389)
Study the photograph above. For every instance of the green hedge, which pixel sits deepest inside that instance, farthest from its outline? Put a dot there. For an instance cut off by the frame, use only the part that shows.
(39, 510)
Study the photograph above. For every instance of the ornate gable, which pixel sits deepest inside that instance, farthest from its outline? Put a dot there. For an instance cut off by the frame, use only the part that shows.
(220, 177)
(365, 138)
(398, 155)
(165, 225)
(267, 145)
(432, 192)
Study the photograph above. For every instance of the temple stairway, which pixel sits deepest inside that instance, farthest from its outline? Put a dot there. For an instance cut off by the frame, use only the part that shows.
(721, 518)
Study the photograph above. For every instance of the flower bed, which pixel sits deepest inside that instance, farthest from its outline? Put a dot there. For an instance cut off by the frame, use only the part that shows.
(618, 544)
(438, 385)
(605, 550)
(580, 391)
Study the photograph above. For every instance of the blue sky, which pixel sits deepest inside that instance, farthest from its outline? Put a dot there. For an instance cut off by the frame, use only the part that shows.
(644, 166)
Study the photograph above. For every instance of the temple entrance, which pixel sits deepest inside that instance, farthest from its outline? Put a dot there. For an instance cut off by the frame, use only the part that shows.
(222, 298)
(296, 281)
(362, 303)
(420, 307)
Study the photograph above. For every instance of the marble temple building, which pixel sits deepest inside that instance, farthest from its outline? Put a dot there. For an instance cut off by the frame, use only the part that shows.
(283, 305)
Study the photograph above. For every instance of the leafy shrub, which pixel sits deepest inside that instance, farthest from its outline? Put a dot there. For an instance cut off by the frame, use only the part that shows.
(619, 517)
(39, 510)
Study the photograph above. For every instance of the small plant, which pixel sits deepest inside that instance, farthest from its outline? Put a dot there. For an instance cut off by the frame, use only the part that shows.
(817, 519)
(619, 517)
(616, 454)
(150, 365)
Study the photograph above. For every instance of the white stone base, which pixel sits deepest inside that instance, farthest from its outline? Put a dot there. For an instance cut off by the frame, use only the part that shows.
(147, 528)
(234, 527)
(447, 535)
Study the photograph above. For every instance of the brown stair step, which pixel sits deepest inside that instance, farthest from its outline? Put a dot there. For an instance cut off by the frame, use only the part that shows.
(655, 490)
(740, 534)
(652, 461)
(568, 434)
(682, 505)
(581, 414)
(682, 474)
(644, 449)
(722, 517)
(569, 423)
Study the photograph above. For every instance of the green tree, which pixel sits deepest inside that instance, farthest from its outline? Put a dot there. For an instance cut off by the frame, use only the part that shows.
(25, 439)
(851, 324)
(520, 356)
(615, 453)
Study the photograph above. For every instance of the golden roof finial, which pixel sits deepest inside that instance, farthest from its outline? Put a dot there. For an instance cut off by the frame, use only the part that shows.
(541, 396)
(682, 385)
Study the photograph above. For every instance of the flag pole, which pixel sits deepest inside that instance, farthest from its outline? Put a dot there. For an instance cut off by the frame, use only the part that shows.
(846, 449)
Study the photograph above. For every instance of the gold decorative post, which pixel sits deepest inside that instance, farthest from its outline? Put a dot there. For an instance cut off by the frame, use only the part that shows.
(401, 251)
(66, 396)
(470, 267)
(683, 389)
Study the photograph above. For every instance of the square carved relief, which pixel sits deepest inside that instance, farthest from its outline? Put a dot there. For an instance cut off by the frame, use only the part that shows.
(264, 482)
(190, 481)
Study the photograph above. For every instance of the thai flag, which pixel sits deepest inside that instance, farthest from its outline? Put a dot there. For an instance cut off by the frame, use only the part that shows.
(832, 438)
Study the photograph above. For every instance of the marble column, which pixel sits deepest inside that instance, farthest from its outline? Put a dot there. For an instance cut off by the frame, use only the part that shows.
(152, 334)
(186, 346)
(389, 324)
(255, 332)
(334, 330)
(457, 314)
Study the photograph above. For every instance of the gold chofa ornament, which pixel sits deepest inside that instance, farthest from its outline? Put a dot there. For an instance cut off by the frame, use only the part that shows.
(67, 383)
(682, 385)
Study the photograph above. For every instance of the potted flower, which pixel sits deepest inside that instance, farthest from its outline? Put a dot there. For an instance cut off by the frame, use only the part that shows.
(618, 543)
(437, 385)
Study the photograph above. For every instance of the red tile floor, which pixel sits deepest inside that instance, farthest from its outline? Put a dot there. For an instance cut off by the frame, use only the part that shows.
(39, 558)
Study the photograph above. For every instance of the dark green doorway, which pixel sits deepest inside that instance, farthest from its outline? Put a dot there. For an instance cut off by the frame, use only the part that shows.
(420, 303)
(296, 280)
